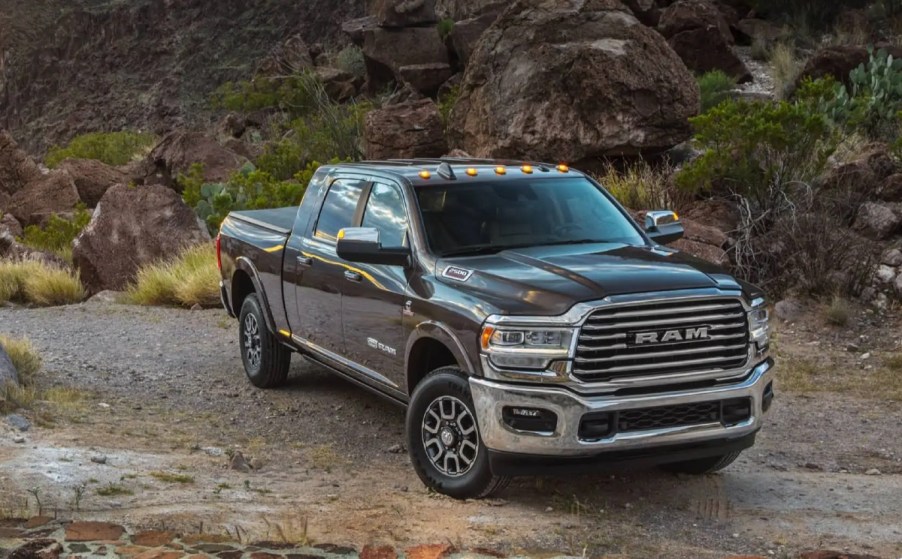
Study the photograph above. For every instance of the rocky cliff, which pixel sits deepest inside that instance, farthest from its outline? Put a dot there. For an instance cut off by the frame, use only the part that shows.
(71, 66)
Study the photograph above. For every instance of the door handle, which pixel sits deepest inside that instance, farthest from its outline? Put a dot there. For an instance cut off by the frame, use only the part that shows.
(353, 276)
(305, 261)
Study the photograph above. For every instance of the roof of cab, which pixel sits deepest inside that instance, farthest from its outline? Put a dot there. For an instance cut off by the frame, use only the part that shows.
(452, 169)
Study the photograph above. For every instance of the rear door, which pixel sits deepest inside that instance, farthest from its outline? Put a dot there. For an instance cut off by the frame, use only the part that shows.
(374, 296)
(321, 274)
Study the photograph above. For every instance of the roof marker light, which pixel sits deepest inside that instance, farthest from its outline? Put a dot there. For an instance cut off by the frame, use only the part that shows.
(472, 172)
(563, 168)
(425, 174)
(500, 170)
(526, 169)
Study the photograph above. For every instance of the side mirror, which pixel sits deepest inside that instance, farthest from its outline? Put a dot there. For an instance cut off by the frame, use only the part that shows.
(663, 226)
(361, 244)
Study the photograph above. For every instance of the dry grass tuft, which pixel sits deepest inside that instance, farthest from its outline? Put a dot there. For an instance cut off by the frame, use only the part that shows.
(643, 187)
(838, 312)
(191, 278)
(24, 357)
(786, 68)
(29, 281)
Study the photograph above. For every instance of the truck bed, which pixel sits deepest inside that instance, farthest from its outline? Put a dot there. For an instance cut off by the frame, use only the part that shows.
(277, 220)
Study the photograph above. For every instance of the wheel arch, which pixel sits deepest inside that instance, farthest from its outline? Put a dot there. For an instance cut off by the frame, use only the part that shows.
(245, 281)
(432, 346)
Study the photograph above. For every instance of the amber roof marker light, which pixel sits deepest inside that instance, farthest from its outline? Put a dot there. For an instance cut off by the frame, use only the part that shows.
(425, 174)
(563, 168)
(500, 170)
(472, 172)
(527, 169)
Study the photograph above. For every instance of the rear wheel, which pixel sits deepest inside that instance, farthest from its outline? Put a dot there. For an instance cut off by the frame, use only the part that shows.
(266, 361)
(703, 465)
(443, 438)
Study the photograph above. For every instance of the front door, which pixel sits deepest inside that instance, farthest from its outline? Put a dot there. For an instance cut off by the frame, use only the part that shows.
(321, 272)
(374, 296)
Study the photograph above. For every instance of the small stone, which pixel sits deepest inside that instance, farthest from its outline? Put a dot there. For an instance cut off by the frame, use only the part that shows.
(375, 552)
(103, 405)
(396, 449)
(787, 310)
(813, 466)
(196, 307)
(153, 538)
(92, 531)
(213, 451)
(433, 551)
(873, 472)
(16, 421)
(78, 548)
(37, 549)
(853, 348)
(893, 258)
(239, 463)
(864, 356)
(884, 274)
(19, 439)
(99, 459)
(549, 509)
(897, 286)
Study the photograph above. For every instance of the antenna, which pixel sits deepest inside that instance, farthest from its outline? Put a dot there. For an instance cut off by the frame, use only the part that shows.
(446, 172)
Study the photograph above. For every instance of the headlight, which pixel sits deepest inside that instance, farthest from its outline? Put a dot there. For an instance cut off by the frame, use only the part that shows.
(759, 327)
(525, 348)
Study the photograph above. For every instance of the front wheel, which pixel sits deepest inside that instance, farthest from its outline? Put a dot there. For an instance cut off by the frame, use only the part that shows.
(266, 361)
(702, 465)
(443, 438)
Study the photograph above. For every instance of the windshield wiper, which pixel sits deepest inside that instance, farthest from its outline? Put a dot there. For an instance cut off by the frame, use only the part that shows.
(475, 250)
(573, 242)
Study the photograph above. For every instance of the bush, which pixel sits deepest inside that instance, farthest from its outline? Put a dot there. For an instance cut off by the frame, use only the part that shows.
(873, 104)
(190, 278)
(715, 87)
(757, 150)
(24, 357)
(247, 189)
(786, 68)
(41, 284)
(350, 59)
(643, 187)
(57, 235)
(445, 27)
(446, 104)
(112, 148)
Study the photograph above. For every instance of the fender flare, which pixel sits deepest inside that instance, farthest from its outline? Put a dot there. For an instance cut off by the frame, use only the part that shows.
(244, 264)
(443, 334)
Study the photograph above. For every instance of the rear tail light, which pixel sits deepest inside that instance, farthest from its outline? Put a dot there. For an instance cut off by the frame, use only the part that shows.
(219, 251)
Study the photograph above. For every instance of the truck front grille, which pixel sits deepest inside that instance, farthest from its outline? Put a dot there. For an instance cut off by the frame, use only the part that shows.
(662, 338)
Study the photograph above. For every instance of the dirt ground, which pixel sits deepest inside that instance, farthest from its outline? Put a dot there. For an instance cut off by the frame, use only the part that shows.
(148, 404)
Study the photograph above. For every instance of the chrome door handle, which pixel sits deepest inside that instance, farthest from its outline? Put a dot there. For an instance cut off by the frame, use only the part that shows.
(353, 276)
(305, 261)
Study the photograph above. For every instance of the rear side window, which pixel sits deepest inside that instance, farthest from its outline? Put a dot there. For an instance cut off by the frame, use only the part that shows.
(339, 208)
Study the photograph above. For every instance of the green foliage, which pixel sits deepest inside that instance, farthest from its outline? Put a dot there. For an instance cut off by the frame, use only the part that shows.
(189, 279)
(876, 96)
(350, 59)
(446, 103)
(756, 150)
(640, 186)
(113, 148)
(59, 232)
(248, 189)
(715, 87)
(445, 27)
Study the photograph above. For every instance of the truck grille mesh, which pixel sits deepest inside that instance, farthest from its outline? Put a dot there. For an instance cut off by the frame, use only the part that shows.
(662, 338)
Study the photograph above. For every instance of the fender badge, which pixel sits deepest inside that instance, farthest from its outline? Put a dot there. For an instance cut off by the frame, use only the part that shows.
(457, 274)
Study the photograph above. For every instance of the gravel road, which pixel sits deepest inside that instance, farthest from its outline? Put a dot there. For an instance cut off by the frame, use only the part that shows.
(165, 392)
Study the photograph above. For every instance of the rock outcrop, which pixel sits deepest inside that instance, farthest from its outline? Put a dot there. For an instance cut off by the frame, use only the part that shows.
(700, 35)
(131, 227)
(53, 193)
(412, 129)
(390, 52)
(92, 178)
(179, 150)
(16, 168)
(403, 13)
(572, 81)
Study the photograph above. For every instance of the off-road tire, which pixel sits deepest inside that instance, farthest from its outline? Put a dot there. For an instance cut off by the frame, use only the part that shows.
(266, 361)
(703, 465)
(449, 386)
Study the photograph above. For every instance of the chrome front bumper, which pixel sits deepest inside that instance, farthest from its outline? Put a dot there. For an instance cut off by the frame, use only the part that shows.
(491, 397)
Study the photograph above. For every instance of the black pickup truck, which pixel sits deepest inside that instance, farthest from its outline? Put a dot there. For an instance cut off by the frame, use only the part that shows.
(527, 323)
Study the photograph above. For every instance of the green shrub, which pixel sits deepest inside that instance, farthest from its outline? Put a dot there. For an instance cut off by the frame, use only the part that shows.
(446, 103)
(715, 87)
(188, 279)
(757, 150)
(445, 27)
(873, 104)
(248, 189)
(112, 148)
(57, 235)
(350, 59)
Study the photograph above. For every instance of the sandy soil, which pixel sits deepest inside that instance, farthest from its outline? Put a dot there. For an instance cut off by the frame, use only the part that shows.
(163, 393)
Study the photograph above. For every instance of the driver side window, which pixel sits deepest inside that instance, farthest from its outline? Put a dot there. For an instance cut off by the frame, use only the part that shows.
(385, 210)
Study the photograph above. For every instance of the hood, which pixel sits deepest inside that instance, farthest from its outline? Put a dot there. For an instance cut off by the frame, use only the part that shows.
(547, 281)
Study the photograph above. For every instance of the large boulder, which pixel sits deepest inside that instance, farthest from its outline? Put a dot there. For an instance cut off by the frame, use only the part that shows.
(402, 13)
(11, 225)
(572, 81)
(406, 130)
(386, 51)
(53, 193)
(465, 9)
(179, 150)
(16, 168)
(703, 241)
(11, 249)
(877, 221)
(646, 10)
(466, 34)
(838, 61)
(699, 34)
(132, 227)
(92, 178)
(339, 84)
(425, 78)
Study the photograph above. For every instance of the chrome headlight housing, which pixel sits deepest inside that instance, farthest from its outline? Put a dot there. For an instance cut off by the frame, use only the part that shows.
(759, 324)
(531, 347)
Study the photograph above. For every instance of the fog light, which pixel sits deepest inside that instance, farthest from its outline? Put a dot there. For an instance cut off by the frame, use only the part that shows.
(736, 411)
(595, 426)
(535, 420)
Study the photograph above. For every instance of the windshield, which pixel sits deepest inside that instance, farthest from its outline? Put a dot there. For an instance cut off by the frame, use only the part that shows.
(482, 218)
